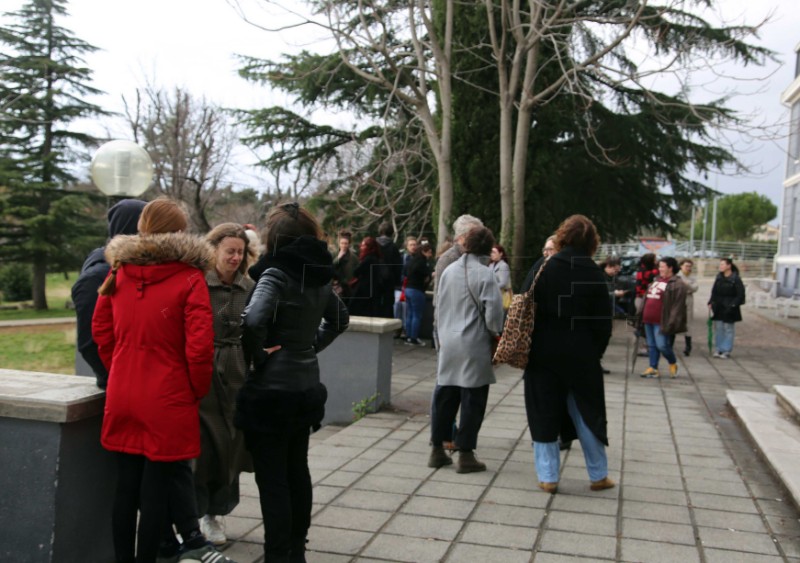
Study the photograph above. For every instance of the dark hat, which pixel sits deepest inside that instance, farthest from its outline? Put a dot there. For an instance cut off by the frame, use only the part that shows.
(123, 217)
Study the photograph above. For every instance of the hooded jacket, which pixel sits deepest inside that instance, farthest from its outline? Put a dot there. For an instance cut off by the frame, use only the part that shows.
(155, 336)
(293, 306)
(122, 220)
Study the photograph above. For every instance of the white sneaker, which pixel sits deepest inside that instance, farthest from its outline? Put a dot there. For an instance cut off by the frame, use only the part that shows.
(717, 355)
(213, 529)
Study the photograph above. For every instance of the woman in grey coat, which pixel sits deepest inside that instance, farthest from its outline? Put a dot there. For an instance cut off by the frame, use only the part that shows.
(223, 455)
(470, 316)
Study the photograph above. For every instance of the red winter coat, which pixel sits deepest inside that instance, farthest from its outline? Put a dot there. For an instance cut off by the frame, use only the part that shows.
(155, 335)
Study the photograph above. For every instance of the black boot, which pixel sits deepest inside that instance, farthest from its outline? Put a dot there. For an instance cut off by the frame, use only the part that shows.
(468, 463)
(439, 458)
(688, 349)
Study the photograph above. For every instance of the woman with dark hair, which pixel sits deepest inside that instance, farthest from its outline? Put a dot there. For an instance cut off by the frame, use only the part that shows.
(293, 314)
(223, 455)
(664, 316)
(418, 275)
(564, 391)
(470, 316)
(727, 297)
(366, 299)
(502, 272)
(153, 327)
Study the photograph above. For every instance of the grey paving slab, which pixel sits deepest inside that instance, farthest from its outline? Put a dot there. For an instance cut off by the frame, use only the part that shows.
(515, 497)
(657, 552)
(738, 541)
(594, 524)
(351, 518)
(591, 505)
(443, 489)
(336, 540)
(499, 535)
(722, 502)
(317, 557)
(424, 527)
(726, 556)
(659, 496)
(542, 557)
(658, 512)
(446, 508)
(388, 484)
(565, 542)
(404, 548)
(729, 520)
(470, 552)
(507, 514)
(370, 500)
(657, 531)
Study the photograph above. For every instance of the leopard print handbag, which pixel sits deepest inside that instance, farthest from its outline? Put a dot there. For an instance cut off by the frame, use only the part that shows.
(515, 342)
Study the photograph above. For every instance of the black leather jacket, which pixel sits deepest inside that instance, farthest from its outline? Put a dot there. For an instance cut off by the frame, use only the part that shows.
(292, 306)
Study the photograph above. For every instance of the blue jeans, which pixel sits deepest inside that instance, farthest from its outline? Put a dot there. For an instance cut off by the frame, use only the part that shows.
(725, 333)
(415, 305)
(547, 456)
(658, 344)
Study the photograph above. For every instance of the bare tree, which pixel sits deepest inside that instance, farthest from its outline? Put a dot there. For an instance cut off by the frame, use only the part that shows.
(190, 142)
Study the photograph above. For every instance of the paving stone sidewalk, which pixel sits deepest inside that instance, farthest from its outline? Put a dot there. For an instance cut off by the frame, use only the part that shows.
(690, 487)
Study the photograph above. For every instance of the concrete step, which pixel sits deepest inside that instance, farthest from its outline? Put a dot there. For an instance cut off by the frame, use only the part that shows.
(788, 398)
(774, 433)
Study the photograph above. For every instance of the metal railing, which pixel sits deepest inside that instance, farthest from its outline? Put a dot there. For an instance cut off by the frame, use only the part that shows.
(736, 250)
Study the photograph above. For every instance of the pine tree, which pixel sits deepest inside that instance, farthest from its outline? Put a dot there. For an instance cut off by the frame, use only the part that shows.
(43, 87)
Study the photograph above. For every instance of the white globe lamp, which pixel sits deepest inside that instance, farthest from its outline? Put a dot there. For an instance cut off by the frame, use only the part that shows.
(122, 169)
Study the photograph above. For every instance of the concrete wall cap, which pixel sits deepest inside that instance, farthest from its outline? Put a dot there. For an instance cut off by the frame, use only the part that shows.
(374, 325)
(49, 397)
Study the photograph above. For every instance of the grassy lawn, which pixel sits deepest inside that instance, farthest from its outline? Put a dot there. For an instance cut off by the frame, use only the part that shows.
(41, 349)
(58, 292)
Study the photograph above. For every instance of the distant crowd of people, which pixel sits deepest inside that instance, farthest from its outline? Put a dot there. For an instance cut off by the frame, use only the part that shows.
(207, 349)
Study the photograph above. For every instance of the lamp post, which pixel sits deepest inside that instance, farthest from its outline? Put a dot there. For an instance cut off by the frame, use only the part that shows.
(121, 169)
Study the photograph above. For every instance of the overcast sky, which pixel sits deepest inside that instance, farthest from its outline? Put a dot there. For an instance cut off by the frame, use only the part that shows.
(191, 43)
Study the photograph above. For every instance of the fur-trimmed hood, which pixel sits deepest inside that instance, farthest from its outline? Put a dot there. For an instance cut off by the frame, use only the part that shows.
(149, 250)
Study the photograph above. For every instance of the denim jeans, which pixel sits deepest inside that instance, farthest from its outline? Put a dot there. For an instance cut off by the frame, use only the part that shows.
(547, 456)
(725, 333)
(658, 344)
(415, 305)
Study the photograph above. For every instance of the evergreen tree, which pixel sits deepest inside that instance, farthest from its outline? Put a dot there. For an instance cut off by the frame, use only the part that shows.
(43, 86)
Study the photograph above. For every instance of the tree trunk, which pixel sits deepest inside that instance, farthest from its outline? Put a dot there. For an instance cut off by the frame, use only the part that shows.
(518, 178)
(39, 272)
(506, 183)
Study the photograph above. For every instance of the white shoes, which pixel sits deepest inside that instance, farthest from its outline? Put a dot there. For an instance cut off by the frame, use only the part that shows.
(213, 529)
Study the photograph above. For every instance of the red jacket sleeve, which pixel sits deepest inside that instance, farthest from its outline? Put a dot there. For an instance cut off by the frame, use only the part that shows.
(199, 327)
(103, 330)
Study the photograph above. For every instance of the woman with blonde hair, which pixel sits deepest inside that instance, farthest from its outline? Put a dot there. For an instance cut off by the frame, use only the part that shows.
(154, 333)
(223, 454)
(564, 391)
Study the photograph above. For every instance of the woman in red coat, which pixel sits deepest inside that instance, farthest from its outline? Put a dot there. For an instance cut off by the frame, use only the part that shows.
(154, 332)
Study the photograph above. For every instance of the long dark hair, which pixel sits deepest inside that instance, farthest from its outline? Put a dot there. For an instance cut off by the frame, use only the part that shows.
(734, 267)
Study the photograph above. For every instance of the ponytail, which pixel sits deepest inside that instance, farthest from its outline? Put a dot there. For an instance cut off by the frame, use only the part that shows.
(110, 283)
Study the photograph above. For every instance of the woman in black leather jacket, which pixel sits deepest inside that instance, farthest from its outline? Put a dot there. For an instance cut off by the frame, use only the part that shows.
(292, 315)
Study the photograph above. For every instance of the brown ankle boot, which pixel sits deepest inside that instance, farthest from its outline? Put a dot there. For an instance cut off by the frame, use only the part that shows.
(468, 463)
(439, 457)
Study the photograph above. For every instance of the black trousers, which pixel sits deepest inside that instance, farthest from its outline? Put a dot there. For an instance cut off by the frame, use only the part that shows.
(446, 401)
(164, 494)
(284, 488)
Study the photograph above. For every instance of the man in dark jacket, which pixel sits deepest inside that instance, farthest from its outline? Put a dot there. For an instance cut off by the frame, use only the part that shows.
(391, 269)
(123, 219)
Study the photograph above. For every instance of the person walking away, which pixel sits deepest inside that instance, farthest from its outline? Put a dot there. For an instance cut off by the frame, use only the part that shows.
(664, 316)
(461, 227)
(366, 299)
(293, 314)
(470, 316)
(418, 275)
(223, 455)
(727, 298)
(153, 327)
(564, 388)
(686, 276)
(502, 272)
(123, 218)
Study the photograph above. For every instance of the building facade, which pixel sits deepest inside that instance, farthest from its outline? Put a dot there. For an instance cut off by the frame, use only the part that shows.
(787, 262)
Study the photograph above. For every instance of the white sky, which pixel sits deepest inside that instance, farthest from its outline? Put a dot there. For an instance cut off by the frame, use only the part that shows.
(191, 43)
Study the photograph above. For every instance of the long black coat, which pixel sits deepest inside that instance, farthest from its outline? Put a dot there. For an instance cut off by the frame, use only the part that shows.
(366, 299)
(727, 296)
(573, 322)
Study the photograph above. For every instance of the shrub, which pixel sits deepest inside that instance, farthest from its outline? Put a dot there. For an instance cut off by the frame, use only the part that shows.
(16, 282)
